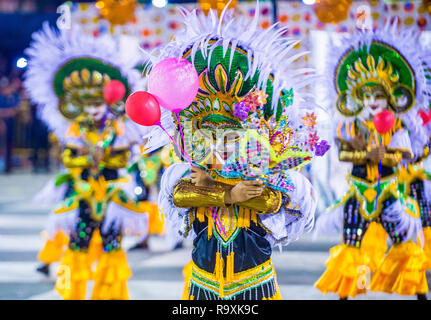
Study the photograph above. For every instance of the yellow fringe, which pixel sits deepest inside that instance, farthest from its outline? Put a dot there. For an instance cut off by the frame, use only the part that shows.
(53, 249)
(95, 248)
(210, 226)
(344, 272)
(73, 273)
(200, 214)
(219, 266)
(374, 244)
(253, 217)
(402, 271)
(241, 223)
(187, 274)
(230, 267)
(110, 278)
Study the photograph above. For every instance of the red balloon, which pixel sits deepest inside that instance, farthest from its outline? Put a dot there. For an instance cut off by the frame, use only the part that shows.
(384, 121)
(114, 91)
(143, 108)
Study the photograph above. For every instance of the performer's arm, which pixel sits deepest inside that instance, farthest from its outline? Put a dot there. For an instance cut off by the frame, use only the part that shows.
(349, 154)
(392, 157)
(115, 159)
(187, 195)
(72, 158)
(219, 194)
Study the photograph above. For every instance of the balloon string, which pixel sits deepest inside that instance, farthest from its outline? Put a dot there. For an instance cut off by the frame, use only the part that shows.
(173, 140)
(380, 174)
(185, 153)
(216, 218)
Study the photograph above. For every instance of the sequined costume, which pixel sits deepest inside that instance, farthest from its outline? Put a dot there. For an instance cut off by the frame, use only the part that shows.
(372, 66)
(248, 96)
(415, 181)
(67, 75)
(56, 233)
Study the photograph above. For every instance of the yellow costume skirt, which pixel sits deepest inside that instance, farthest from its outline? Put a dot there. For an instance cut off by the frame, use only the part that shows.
(156, 221)
(110, 277)
(53, 250)
(346, 272)
(402, 271)
(427, 246)
(187, 274)
(72, 275)
(348, 267)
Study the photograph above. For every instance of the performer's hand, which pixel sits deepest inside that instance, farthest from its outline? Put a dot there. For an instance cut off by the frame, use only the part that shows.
(406, 155)
(359, 143)
(83, 151)
(98, 155)
(200, 178)
(376, 154)
(244, 191)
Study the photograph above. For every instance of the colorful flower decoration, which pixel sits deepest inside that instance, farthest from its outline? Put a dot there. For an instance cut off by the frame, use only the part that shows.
(241, 110)
(321, 148)
(313, 138)
(287, 98)
(310, 120)
(261, 97)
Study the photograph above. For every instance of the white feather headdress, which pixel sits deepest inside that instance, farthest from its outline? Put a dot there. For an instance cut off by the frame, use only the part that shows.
(406, 43)
(51, 49)
(269, 53)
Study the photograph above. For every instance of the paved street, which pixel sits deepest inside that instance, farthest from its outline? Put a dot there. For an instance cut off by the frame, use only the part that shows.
(157, 273)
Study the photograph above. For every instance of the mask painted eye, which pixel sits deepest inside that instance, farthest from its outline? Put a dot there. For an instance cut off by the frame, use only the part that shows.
(231, 137)
(367, 96)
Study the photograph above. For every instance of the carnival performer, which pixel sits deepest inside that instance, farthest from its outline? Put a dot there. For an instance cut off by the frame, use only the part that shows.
(380, 85)
(80, 83)
(146, 170)
(56, 236)
(248, 96)
(415, 180)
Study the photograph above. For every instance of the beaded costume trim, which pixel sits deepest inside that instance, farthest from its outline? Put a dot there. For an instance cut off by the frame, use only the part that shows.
(239, 283)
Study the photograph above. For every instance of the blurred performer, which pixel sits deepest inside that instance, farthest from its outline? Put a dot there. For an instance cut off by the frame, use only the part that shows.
(57, 236)
(237, 212)
(380, 86)
(414, 180)
(145, 171)
(80, 83)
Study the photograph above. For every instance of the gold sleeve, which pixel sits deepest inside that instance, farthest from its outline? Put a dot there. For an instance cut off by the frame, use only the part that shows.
(356, 157)
(115, 160)
(73, 161)
(268, 202)
(187, 195)
(347, 154)
(392, 159)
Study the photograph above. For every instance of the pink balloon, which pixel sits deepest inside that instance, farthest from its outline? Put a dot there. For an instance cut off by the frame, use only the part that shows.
(174, 82)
